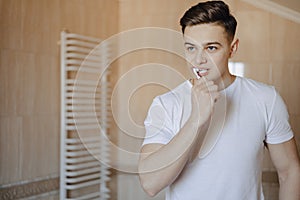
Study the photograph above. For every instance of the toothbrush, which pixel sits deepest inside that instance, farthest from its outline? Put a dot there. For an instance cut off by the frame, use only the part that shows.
(195, 70)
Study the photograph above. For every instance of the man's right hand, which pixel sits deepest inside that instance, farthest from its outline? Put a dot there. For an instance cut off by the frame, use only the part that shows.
(204, 95)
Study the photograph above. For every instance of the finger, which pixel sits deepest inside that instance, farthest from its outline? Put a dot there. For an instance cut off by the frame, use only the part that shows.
(212, 88)
(215, 96)
(202, 83)
(208, 86)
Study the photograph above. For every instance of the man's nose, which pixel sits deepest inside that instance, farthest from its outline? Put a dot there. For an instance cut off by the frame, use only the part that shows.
(201, 57)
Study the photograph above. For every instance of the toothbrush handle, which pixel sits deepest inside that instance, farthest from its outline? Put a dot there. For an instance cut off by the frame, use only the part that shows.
(195, 72)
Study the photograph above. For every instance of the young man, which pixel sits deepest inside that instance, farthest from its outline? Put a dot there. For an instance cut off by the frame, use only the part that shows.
(205, 139)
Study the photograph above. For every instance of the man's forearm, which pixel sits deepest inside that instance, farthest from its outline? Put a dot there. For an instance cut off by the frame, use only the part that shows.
(170, 159)
(290, 185)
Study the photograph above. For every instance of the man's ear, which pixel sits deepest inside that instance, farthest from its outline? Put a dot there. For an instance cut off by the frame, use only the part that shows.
(234, 47)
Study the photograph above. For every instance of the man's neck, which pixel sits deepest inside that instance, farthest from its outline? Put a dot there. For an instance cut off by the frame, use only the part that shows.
(226, 81)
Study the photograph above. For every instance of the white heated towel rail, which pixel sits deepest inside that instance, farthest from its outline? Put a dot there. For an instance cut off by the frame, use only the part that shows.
(85, 117)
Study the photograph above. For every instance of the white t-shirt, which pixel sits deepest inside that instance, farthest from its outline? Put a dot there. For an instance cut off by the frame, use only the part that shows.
(232, 170)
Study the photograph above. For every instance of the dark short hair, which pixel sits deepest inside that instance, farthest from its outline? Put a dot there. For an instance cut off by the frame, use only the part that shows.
(210, 12)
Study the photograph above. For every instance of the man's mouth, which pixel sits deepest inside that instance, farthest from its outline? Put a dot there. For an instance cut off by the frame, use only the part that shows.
(200, 72)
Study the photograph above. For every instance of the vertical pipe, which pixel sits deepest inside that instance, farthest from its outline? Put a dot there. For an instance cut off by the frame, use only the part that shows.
(62, 114)
(104, 116)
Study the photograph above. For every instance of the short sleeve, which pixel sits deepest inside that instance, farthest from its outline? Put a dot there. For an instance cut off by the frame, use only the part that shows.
(278, 127)
(158, 124)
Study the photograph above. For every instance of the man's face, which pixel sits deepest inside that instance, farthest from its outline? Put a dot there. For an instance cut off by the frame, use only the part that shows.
(207, 49)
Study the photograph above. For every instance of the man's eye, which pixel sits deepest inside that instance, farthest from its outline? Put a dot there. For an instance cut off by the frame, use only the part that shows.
(212, 48)
(190, 49)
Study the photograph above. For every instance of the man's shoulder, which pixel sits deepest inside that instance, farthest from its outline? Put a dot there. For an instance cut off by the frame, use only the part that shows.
(176, 93)
(253, 85)
(259, 90)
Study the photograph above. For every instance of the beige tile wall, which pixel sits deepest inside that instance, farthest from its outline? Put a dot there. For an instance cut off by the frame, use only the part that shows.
(30, 78)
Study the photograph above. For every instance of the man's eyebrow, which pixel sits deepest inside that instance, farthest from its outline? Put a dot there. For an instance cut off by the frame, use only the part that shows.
(205, 44)
(211, 43)
(188, 43)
